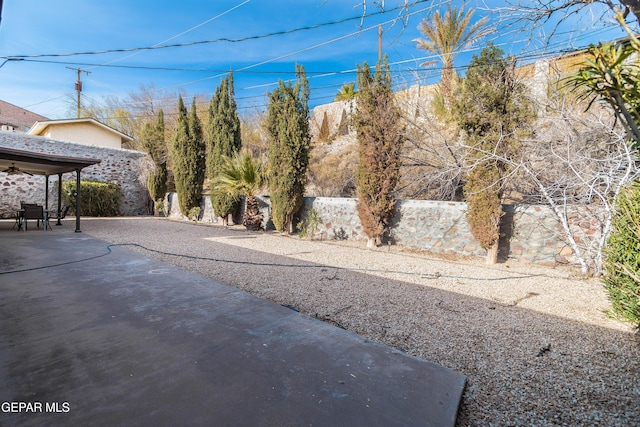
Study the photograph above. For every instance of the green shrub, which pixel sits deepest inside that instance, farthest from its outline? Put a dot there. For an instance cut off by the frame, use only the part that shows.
(96, 198)
(160, 207)
(622, 257)
(194, 213)
(311, 225)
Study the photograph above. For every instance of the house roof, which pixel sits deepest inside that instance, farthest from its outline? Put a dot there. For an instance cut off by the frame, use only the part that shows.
(41, 163)
(17, 117)
(39, 127)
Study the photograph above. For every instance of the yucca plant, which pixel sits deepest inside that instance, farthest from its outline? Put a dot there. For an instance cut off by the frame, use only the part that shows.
(241, 174)
(612, 73)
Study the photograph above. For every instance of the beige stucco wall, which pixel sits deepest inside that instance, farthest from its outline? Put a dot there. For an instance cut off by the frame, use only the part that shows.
(83, 133)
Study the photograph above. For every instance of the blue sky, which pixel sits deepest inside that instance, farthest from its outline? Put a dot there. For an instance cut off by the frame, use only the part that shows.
(38, 30)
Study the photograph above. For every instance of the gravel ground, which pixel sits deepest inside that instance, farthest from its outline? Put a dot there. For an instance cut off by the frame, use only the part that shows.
(534, 342)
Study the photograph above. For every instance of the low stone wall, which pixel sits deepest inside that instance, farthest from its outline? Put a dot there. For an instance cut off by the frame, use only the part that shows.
(172, 209)
(119, 166)
(429, 225)
(530, 234)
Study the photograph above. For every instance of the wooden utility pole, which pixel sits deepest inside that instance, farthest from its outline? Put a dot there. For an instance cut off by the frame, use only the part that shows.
(379, 43)
(79, 84)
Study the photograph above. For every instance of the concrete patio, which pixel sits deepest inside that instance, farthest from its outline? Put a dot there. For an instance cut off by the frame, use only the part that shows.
(93, 334)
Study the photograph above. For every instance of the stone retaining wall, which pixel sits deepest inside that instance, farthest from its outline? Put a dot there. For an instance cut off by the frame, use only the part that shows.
(119, 166)
(530, 234)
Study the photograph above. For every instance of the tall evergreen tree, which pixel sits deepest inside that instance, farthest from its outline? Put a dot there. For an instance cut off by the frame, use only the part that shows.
(380, 139)
(493, 110)
(223, 139)
(188, 158)
(152, 138)
(288, 125)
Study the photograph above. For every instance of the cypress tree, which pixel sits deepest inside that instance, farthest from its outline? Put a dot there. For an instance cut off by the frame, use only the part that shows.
(188, 158)
(491, 107)
(154, 143)
(288, 125)
(223, 139)
(380, 139)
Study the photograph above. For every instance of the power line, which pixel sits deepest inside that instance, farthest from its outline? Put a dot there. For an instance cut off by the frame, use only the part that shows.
(325, 43)
(203, 42)
(313, 74)
(182, 33)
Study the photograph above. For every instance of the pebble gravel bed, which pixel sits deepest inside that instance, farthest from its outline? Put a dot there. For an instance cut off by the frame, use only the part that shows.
(534, 342)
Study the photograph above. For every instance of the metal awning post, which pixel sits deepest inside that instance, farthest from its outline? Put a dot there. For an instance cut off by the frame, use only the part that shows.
(46, 192)
(59, 198)
(78, 201)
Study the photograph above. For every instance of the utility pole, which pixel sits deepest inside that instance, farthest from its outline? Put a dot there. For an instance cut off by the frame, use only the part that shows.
(79, 84)
(379, 43)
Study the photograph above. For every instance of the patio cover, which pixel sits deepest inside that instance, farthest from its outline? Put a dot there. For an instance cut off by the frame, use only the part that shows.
(47, 164)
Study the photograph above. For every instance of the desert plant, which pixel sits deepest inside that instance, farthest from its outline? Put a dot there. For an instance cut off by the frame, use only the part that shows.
(310, 226)
(346, 93)
(611, 74)
(340, 234)
(194, 213)
(242, 175)
(622, 257)
(446, 36)
(160, 207)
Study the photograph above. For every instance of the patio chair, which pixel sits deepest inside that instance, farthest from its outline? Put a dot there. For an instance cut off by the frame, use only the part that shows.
(33, 212)
(58, 215)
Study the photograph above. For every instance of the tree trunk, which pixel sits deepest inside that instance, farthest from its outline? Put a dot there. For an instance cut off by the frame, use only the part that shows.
(371, 242)
(492, 254)
(446, 84)
(252, 218)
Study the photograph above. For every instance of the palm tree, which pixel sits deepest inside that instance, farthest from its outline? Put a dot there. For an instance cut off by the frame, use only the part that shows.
(346, 92)
(445, 37)
(241, 174)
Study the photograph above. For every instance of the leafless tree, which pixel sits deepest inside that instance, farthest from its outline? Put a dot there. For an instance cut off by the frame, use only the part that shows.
(548, 18)
(433, 162)
(577, 165)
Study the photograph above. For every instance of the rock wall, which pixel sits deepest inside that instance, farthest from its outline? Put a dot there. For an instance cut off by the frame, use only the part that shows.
(529, 234)
(172, 210)
(119, 166)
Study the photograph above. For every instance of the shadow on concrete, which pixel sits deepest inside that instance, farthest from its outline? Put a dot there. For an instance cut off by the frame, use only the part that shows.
(92, 334)
(523, 367)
